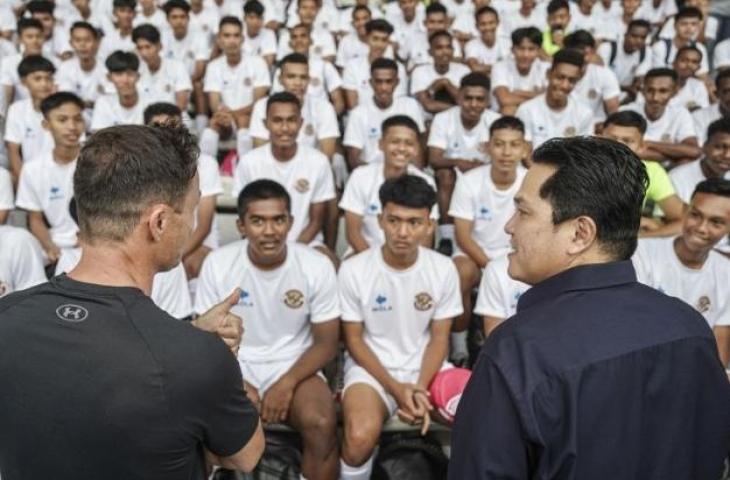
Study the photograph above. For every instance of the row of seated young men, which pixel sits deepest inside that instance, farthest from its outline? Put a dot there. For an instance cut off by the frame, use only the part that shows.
(396, 300)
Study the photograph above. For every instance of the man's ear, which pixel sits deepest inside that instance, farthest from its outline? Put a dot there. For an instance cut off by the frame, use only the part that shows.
(158, 220)
(584, 235)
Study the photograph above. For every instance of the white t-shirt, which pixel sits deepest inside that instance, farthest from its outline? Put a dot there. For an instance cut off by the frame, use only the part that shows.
(686, 177)
(207, 21)
(543, 123)
(278, 306)
(398, 306)
(362, 197)
(236, 84)
(24, 127)
(477, 199)
(172, 77)
(660, 58)
(319, 121)
(658, 266)
(109, 112)
(656, 15)
(7, 200)
(448, 134)
(70, 77)
(261, 45)
(170, 290)
(478, 50)
(498, 292)
(356, 77)
(189, 50)
(511, 21)
(158, 19)
(9, 77)
(674, 126)
(323, 79)
(210, 185)
(21, 265)
(47, 186)
(350, 47)
(694, 94)
(598, 85)
(505, 74)
(424, 75)
(323, 44)
(363, 129)
(307, 177)
(113, 41)
(711, 27)
(702, 119)
(417, 50)
(721, 54)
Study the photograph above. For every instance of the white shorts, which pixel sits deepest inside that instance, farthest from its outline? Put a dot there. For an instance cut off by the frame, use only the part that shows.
(263, 375)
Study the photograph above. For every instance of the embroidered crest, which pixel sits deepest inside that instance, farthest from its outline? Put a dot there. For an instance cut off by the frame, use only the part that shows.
(569, 132)
(423, 302)
(703, 304)
(302, 185)
(294, 299)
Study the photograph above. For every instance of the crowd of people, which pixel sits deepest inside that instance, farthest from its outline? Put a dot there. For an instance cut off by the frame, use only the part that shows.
(402, 131)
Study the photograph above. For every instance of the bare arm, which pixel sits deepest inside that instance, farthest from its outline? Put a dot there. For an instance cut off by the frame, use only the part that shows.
(199, 71)
(611, 105)
(353, 232)
(338, 100)
(659, 151)
(351, 99)
(511, 99)
(181, 99)
(462, 231)
(673, 209)
(353, 157)
(37, 226)
(4, 216)
(15, 160)
(490, 323)
(722, 336)
(429, 104)
(476, 66)
(328, 146)
(316, 220)
(214, 101)
(435, 353)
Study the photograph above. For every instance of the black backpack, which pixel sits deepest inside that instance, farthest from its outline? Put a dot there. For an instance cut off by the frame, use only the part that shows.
(409, 456)
(281, 460)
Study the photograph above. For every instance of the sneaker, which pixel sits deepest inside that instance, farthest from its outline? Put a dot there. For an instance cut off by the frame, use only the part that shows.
(446, 247)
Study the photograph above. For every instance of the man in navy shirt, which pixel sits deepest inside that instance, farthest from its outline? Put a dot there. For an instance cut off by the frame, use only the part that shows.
(596, 376)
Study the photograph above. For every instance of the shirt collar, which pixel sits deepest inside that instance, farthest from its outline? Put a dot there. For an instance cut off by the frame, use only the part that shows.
(584, 277)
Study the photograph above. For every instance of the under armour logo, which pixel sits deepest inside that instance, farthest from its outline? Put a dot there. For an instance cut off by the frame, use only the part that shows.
(72, 313)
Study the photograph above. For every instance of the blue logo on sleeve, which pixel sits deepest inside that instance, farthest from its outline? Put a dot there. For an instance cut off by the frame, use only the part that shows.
(373, 208)
(56, 193)
(245, 299)
(485, 213)
(381, 304)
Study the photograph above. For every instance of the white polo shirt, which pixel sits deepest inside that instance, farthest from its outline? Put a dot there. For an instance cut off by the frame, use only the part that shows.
(626, 66)
(23, 126)
(478, 50)
(542, 123)
(498, 292)
(356, 77)
(423, 76)
(686, 177)
(319, 121)
(597, 85)
(236, 83)
(188, 50)
(674, 126)
(702, 119)
(109, 112)
(448, 134)
(21, 265)
(70, 77)
(7, 199)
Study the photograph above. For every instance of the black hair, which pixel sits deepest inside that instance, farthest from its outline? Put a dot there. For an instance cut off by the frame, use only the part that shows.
(27, 24)
(437, 34)
(598, 178)
(475, 79)
(86, 26)
(556, 5)
(35, 63)
(580, 39)
(713, 186)
(688, 12)
(721, 75)
(688, 48)
(361, 8)
(124, 169)
(626, 118)
(253, 7)
(294, 58)
(408, 191)
(399, 121)
(55, 100)
(484, 10)
(379, 25)
(161, 108)
(721, 125)
(263, 189)
(661, 72)
(41, 6)
(507, 122)
(124, 4)
(147, 32)
(436, 7)
(171, 5)
(383, 64)
(569, 56)
(531, 34)
(283, 97)
(121, 61)
(230, 20)
(639, 22)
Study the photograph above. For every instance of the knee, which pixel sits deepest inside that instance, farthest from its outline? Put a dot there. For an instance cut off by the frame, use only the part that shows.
(468, 274)
(320, 424)
(359, 443)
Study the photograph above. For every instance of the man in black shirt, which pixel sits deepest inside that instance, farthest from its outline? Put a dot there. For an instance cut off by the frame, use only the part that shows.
(97, 382)
(596, 376)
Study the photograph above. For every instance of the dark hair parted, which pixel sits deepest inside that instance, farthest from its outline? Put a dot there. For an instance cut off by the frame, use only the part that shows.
(55, 100)
(161, 108)
(719, 126)
(122, 170)
(171, 5)
(119, 61)
(531, 34)
(408, 191)
(713, 186)
(261, 190)
(283, 97)
(507, 122)
(598, 178)
(399, 121)
(626, 118)
(35, 63)
(146, 31)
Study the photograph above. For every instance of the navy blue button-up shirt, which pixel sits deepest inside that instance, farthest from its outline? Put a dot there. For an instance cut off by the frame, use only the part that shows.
(595, 377)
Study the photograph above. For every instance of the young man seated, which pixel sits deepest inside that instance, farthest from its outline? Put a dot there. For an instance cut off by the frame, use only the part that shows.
(398, 301)
(687, 25)
(21, 266)
(118, 29)
(692, 92)
(126, 105)
(30, 40)
(7, 195)
(703, 117)
(628, 57)
(416, 51)
(498, 294)
(288, 296)
(483, 52)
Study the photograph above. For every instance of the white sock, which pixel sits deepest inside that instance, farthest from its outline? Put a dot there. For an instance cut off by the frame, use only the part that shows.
(458, 343)
(201, 121)
(362, 472)
(446, 231)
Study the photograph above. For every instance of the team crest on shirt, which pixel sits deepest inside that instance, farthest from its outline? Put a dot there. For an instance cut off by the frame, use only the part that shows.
(666, 137)
(4, 288)
(309, 129)
(247, 81)
(691, 105)
(315, 82)
(423, 302)
(244, 298)
(302, 185)
(569, 132)
(703, 304)
(294, 299)
(592, 94)
(484, 213)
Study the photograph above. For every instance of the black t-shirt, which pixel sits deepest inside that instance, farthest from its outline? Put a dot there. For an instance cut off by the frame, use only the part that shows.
(98, 382)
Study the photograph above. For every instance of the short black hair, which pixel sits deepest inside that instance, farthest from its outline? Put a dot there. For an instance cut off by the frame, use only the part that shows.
(507, 122)
(627, 118)
(713, 186)
(171, 5)
(661, 72)
(688, 12)
(41, 6)
(85, 26)
(399, 121)
(439, 33)
(146, 31)
(230, 20)
(475, 79)
(161, 108)
(124, 4)
(639, 23)
(598, 178)
(124, 169)
(28, 24)
(254, 7)
(361, 8)
(283, 97)
(409, 191)
(531, 34)
(721, 75)
(580, 39)
(35, 63)
(55, 100)
(570, 56)
(688, 48)
(721, 125)
(379, 25)
(294, 58)
(556, 5)
(263, 189)
(484, 10)
(436, 7)
(121, 61)
(383, 63)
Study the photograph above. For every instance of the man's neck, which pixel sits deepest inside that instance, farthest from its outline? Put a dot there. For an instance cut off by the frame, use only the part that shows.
(525, 12)
(489, 39)
(154, 65)
(266, 264)
(124, 32)
(148, 12)
(129, 101)
(284, 154)
(693, 260)
(554, 104)
(65, 155)
(113, 265)
(87, 64)
(502, 180)
(382, 106)
(233, 59)
(654, 117)
(399, 262)
(441, 69)
(374, 55)
(468, 124)
(391, 171)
